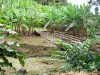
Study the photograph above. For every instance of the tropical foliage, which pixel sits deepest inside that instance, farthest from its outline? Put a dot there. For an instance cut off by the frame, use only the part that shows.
(8, 48)
(24, 15)
(80, 55)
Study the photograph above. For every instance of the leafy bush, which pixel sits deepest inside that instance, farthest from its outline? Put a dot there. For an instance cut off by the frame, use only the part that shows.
(79, 55)
(8, 48)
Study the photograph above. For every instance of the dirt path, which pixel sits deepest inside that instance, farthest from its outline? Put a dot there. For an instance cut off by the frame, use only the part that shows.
(47, 36)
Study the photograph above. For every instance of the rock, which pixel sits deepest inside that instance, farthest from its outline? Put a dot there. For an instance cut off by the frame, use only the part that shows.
(36, 33)
(22, 71)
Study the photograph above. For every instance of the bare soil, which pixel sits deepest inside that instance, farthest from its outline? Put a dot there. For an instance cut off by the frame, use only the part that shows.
(34, 40)
(35, 46)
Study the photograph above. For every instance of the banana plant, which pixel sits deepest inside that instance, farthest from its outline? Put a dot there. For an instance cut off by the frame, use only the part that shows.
(52, 16)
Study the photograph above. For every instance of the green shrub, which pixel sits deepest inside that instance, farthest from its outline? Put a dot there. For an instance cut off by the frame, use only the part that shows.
(79, 55)
(8, 48)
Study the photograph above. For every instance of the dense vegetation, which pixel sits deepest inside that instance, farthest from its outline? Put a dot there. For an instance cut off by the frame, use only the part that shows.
(24, 15)
(81, 56)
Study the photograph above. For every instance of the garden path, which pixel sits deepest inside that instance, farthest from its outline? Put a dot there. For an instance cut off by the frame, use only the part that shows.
(67, 38)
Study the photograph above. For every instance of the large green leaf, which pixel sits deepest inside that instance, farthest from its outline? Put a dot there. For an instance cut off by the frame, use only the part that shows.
(6, 64)
(71, 10)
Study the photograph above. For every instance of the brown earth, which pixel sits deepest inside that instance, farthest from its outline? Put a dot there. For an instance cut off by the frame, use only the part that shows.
(35, 46)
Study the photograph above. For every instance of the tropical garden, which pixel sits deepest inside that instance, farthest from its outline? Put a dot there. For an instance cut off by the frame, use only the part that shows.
(28, 29)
